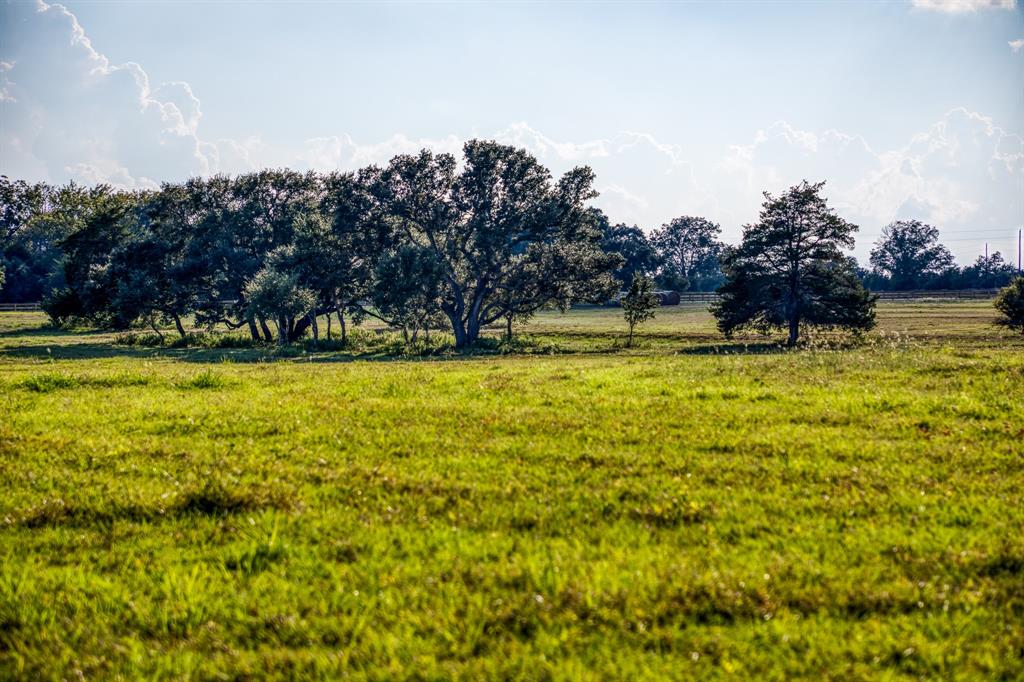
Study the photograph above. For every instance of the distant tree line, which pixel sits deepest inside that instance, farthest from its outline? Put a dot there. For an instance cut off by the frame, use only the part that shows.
(428, 243)
(908, 255)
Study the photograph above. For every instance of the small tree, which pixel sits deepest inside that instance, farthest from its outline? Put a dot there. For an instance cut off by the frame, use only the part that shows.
(639, 304)
(1010, 303)
(277, 294)
(790, 270)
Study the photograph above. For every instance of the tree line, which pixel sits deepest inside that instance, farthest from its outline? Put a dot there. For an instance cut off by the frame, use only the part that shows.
(427, 243)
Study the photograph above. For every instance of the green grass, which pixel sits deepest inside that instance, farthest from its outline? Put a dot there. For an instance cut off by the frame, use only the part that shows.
(688, 509)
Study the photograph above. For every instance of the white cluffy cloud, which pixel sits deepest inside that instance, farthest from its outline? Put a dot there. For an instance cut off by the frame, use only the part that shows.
(1016, 45)
(72, 112)
(963, 6)
(962, 173)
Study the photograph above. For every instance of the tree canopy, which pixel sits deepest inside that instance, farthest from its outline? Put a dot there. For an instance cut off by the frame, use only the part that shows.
(1010, 304)
(909, 255)
(688, 253)
(790, 270)
(419, 243)
(504, 237)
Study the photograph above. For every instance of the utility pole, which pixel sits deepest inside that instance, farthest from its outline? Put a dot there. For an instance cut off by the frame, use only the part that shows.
(1018, 251)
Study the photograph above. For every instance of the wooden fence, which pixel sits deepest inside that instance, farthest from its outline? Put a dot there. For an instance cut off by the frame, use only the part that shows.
(15, 307)
(956, 294)
(915, 295)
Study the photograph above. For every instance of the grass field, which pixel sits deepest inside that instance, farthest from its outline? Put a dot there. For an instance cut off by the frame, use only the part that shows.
(688, 509)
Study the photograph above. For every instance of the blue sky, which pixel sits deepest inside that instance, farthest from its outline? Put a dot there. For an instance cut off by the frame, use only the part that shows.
(908, 109)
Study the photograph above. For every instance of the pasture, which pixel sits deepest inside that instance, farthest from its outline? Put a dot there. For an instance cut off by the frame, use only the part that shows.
(687, 509)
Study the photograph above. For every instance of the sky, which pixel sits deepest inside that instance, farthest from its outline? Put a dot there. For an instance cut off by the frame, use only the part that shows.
(908, 109)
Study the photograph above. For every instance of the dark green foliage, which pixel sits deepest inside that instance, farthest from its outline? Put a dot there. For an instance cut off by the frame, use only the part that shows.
(1010, 303)
(630, 242)
(34, 221)
(639, 303)
(406, 290)
(790, 270)
(503, 236)
(688, 253)
(908, 255)
(990, 272)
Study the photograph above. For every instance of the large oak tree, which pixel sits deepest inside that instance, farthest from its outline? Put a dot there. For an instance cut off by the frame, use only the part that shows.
(488, 224)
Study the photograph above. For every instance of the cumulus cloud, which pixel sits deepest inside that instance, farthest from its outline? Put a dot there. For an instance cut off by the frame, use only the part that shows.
(963, 6)
(76, 114)
(1016, 45)
(547, 149)
(69, 113)
(963, 173)
(343, 153)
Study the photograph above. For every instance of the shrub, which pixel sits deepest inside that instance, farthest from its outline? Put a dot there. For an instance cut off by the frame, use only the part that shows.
(44, 383)
(205, 379)
(1010, 303)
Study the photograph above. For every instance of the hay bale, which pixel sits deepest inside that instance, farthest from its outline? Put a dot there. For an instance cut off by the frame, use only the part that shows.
(667, 297)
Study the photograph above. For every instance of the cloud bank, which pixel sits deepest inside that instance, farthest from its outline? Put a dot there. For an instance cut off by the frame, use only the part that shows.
(963, 6)
(71, 114)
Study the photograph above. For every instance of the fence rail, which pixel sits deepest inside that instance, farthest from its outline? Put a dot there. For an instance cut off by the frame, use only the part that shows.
(914, 295)
(15, 307)
(956, 294)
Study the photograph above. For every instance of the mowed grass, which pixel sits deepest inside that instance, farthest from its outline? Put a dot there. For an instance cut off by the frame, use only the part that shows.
(690, 509)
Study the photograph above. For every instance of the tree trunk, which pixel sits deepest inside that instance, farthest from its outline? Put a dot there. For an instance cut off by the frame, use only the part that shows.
(508, 327)
(458, 328)
(314, 325)
(472, 331)
(267, 336)
(152, 324)
(328, 325)
(282, 330)
(177, 323)
(794, 330)
(344, 330)
(254, 331)
(629, 341)
(473, 325)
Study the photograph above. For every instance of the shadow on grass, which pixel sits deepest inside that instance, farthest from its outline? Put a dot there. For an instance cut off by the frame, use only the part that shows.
(736, 348)
(46, 330)
(87, 350)
(87, 344)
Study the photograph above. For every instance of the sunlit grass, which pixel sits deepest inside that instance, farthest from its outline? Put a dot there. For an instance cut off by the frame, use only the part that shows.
(686, 509)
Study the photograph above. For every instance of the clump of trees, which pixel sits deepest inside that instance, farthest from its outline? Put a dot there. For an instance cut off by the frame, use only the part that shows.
(419, 243)
(689, 254)
(683, 254)
(427, 243)
(789, 271)
(908, 256)
(1010, 304)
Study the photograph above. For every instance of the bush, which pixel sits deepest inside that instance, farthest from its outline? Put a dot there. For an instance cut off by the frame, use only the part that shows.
(205, 379)
(191, 340)
(1010, 303)
(62, 306)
